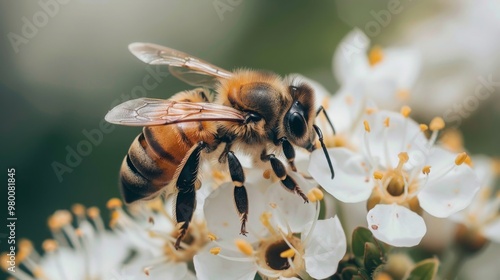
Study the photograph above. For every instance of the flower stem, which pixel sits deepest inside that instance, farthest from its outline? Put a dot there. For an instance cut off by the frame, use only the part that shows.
(454, 259)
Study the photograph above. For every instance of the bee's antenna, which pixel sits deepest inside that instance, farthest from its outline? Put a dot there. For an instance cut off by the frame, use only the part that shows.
(320, 138)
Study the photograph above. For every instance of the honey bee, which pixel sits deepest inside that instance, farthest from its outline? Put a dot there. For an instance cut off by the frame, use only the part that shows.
(253, 112)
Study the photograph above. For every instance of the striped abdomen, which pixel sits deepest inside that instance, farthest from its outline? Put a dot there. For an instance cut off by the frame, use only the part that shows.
(158, 152)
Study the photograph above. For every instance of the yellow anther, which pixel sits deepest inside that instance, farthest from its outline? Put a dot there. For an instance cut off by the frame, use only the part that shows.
(114, 203)
(367, 126)
(349, 100)
(215, 251)
(387, 122)
(114, 218)
(496, 166)
(423, 127)
(403, 94)
(25, 249)
(4, 261)
(218, 175)
(267, 174)
(405, 111)
(244, 247)
(403, 157)
(290, 253)
(79, 232)
(370, 111)
(78, 209)
(437, 123)
(375, 55)
(426, 169)
(59, 219)
(212, 237)
(377, 175)
(325, 103)
(49, 245)
(461, 158)
(93, 212)
(469, 162)
(315, 194)
(38, 273)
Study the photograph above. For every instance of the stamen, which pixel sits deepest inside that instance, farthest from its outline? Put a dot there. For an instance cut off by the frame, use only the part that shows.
(244, 247)
(370, 111)
(423, 127)
(426, 169)
(265, 220)
(215, 251)
(114, 203)
(387, 122)
(288, 254)
(437, 124)
(405, 111)
(403, 158)
(403, 94)
(25, 249)
(461, 158)
(267, 174)
(315, 194)
(367, 126)
(212, 237)
(375, 56)
(377, 175)
(49, 245)
(78, 209)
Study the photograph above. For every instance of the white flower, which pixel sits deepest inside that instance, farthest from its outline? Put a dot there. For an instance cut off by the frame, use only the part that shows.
(153, 231)
(399, 172)
(285, 239)
(88, 251)
(385, 76)
(482, 217)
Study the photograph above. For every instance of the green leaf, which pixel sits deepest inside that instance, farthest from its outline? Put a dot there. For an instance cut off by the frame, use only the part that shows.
(372, 258)
(360, 236)
(424, 270)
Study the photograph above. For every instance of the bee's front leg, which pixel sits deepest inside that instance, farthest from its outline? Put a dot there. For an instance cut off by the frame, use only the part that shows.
(289, 152)
(280, 171)
(185, 202)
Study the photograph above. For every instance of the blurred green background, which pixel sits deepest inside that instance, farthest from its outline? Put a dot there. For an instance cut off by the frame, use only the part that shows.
(76, 66)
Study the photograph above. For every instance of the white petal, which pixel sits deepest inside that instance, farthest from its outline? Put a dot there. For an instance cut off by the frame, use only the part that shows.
(450, 193)
(210, 267)
(325, 249)
(169, 271)
(492, 231)
(292, 209)
(385, 143)
(350, 56)
(223, 219)
(350, 183)
(396, 225)
(399, 65)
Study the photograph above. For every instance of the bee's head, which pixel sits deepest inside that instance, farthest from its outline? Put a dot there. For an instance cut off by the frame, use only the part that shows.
(299, 119)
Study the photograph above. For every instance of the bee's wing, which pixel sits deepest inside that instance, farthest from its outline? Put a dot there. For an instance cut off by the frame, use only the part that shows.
(149, 111)
(185, 67)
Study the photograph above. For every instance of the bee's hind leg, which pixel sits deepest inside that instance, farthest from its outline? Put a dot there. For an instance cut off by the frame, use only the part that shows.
(185, 202)
(240, 192)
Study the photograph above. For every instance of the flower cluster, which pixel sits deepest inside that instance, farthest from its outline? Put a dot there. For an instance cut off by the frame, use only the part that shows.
(398, 169)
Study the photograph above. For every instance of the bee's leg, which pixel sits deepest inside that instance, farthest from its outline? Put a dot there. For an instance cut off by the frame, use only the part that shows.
(240, 193)
(280, 171)
(185, 203)
(321, 109)
(289, 152)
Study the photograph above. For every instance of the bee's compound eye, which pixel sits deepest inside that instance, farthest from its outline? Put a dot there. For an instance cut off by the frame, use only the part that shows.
(297, 124)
